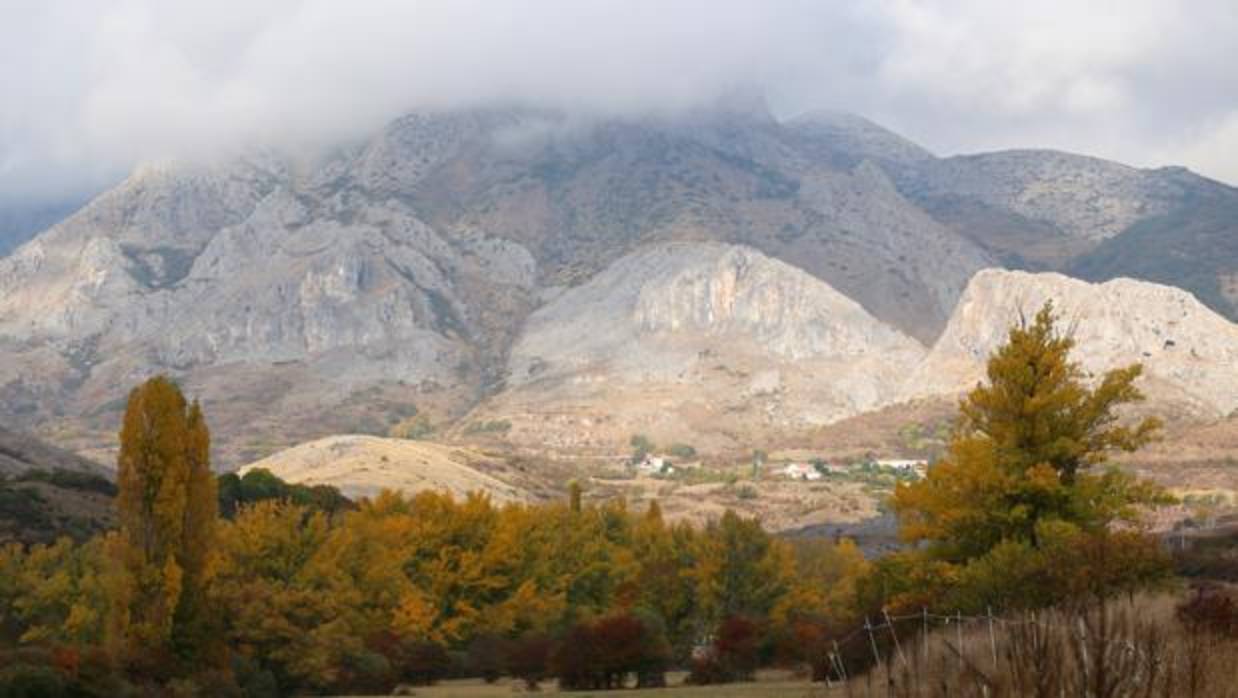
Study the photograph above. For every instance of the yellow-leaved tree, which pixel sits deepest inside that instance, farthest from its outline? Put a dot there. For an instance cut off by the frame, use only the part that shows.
(167, 508)
(1022, 472)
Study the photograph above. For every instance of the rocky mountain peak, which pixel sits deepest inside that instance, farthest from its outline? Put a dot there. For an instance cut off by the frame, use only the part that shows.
(1188, 351)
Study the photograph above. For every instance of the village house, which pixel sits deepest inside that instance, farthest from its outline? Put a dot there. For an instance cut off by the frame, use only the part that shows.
(918, 467)
(801, 471)
(654, 465)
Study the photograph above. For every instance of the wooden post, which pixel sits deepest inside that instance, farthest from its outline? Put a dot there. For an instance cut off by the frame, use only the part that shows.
(872, 641)
(958, 632)
(992, 638)
(897, 647)
(924, 635)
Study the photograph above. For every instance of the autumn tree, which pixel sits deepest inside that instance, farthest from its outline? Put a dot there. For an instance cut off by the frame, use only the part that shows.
(167, 510)
(1024, 460)
(740, 569)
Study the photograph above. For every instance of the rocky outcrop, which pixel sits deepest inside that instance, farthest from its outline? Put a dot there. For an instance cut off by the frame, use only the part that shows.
(699, 342)
(1188, 351)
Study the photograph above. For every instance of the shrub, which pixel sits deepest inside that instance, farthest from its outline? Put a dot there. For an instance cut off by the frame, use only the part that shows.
(641, 447)
(733, 656)
(485, 657)
(528, 659)
(682, 451)
(31, 681)
(602, 654)
(71, 480)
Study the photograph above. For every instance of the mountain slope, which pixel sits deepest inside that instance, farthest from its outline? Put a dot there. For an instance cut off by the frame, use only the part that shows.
(703, 343)
(362, 466)
(20, 453)
(396, 275)
(1188, 351)
(449, 262)
(1090, 218)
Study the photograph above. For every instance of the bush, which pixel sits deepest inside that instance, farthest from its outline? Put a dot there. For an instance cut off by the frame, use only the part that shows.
(528, 659)
(366, 672)
(485, 657)
(682, 451)
(734, 655)
(32, 681)
(71, 480)
(601, 654)
(425, 663)
(641, 447)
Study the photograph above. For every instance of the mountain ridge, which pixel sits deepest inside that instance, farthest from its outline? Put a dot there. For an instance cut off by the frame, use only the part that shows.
(401, 275)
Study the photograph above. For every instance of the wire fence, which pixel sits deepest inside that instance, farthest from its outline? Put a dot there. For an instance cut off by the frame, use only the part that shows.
(915, 649)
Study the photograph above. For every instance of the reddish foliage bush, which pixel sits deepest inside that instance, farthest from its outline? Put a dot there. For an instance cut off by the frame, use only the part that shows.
(734, 655)
(602, 654)
(528, 658)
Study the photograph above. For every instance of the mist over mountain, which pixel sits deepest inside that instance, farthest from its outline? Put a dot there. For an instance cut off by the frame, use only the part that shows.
(496, 265)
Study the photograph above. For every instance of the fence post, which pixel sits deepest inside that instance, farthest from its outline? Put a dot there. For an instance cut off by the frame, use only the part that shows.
(838, 657)
(872, 641)
(894, 634)
(924, 635)
(959, 638)
(992, 637)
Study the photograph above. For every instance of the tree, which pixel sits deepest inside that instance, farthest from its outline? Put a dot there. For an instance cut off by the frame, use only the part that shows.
(740, 569)
(201, 514)
(154, 480)
(641, 447)
(528, 659)
(1022, 458)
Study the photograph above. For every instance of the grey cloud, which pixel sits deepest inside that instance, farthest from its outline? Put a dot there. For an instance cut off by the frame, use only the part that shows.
(91, 88)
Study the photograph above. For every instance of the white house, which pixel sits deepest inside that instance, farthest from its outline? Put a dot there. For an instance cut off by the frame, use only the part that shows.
(801, 471)
(653, 465)
(918, 467)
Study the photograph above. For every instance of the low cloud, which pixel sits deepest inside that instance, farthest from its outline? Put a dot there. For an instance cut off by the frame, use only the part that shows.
(91, 88)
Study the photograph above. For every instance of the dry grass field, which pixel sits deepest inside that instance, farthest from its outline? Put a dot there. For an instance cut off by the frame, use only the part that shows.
(769, 684)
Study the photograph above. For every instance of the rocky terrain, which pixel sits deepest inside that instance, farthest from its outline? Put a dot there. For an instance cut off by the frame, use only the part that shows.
(703, 343)
(555, 282)
(1188, 352)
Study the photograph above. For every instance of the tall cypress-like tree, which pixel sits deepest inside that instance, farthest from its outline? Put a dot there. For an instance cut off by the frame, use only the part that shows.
(167, 509)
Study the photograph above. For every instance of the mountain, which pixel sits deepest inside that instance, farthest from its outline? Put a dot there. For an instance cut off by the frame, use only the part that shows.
(1187, 350)
(20, 221)
(47, 492)
(1089, 218)
(396, 275)
(703, 343)
(563, 281)
(20, 453)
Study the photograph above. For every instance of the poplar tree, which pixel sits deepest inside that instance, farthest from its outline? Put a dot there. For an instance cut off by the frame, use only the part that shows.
(167, 509)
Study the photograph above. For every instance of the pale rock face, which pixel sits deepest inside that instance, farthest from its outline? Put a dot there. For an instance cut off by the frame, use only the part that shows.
(1182, 345)
(698, 326)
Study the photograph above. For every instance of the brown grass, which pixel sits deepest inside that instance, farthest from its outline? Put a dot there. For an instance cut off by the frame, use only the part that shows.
(1132, 649)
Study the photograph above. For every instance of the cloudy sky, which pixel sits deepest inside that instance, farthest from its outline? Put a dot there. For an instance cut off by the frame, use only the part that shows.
(91, 87)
